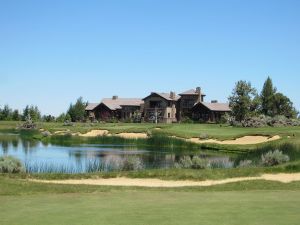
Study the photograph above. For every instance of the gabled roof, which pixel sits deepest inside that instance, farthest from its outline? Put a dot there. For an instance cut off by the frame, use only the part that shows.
(221, 107)
(114, 104)
(191, 92)
(165, 96)
(91, 106)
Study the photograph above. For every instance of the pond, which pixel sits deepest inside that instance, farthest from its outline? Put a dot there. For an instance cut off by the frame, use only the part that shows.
(41, 157)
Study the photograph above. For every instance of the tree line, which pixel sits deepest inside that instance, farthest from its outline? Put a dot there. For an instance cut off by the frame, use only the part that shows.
(75, 113)
(245, 102)
(8, 114)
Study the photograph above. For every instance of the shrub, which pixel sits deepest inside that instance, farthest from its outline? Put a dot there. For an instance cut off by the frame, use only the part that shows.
(273, 158)
(245, 164)
(68, 123)
(258, 121)
(186, 162)
(263, 121)
(220, 163)
(199, 163)
(113, 163)
(187, 120)
(203, 136)
(132, 163)
(9, 164)
(29, 124)
(46, 134)
(226, 119)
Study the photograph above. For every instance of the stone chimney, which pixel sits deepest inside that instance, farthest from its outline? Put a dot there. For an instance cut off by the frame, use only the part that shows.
(199, 94)
(172, 95)
(115, 97)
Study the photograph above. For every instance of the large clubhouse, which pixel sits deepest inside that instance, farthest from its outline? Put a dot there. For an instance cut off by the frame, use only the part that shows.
(159, 108)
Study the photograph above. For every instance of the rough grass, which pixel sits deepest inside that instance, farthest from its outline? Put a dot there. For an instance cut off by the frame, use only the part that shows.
(168, 174)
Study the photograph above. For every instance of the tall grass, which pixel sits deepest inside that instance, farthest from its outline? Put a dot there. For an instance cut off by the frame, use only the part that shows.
(129, 163)
(290, 149)
(32, 168)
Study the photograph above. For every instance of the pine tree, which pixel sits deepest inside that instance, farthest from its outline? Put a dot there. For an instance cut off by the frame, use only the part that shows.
(267, 98)
(77, 111)
(241, 100)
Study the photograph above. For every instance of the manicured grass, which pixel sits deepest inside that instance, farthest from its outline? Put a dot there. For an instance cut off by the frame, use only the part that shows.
(251, 207)
(27, 203)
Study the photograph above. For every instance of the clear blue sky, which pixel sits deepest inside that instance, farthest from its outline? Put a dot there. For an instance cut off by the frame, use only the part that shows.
(52, 52)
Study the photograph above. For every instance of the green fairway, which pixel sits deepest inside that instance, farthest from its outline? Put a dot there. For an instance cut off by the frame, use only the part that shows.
(251, 202)
(153, 207)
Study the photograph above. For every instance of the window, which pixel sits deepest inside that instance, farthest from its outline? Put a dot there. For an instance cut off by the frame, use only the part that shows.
(155, 104)
(169, 115)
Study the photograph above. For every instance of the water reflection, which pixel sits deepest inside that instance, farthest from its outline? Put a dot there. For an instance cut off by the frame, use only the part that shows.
(51, 158)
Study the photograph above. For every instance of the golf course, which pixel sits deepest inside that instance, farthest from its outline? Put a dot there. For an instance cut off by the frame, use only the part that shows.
(225, 197)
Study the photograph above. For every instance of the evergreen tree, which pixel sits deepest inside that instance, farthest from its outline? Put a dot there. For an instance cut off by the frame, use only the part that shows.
(33, 112)
(25, 113)
(267, 98)
(283, 106)
(68, 118)
(241, 100)
(77, 111)
(16, 115)
(6, 113)
(61, 118)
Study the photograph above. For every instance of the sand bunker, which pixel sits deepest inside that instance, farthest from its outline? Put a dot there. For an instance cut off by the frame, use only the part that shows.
(129, 182)
(62, 132)
(132, 135)
(247, 140)
(94, 133)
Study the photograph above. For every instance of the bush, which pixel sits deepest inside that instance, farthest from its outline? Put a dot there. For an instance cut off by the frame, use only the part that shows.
(274, 158)
(132, 163)
(185, 162)
(113, 163)
(245, 164)
(187, 120)
(29, 124)
(204, 136)
(9, 164)
(257, 121)
(263, 121)
(226, 119)
(188, 163)
(220, 163)
(199, 163)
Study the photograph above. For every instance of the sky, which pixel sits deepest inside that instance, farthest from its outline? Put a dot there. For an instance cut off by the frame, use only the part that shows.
(53, 51)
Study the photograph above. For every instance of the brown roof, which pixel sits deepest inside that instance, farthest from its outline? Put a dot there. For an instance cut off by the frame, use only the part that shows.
(114, 104)
(165, 96)
(91, 106)
(191, 92)
(223, 107)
